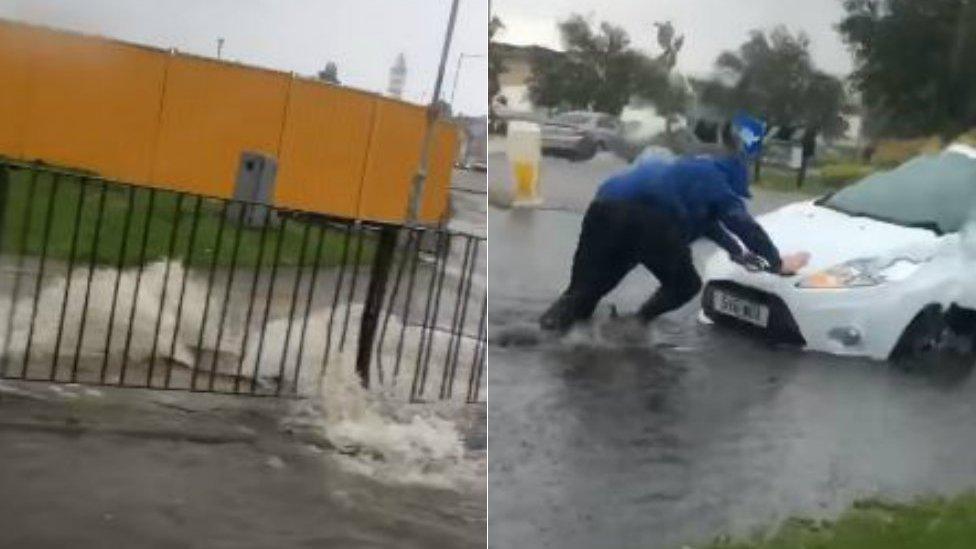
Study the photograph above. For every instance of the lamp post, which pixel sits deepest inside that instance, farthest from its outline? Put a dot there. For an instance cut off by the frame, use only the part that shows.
(386, 246)
(457, 72)
(420, 178)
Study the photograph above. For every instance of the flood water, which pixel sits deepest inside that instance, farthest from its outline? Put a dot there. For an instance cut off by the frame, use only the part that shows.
(696, 432)
(341, 466)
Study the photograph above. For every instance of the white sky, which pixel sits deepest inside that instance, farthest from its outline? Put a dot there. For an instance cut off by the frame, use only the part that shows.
(363, 37)
(709, 26)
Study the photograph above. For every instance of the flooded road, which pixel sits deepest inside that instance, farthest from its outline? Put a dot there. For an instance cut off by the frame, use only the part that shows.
(696, 433)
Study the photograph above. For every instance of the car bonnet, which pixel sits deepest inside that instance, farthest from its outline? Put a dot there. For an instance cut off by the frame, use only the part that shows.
(833, 237)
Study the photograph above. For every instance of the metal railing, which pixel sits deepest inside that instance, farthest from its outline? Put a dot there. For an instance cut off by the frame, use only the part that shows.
(109, 283)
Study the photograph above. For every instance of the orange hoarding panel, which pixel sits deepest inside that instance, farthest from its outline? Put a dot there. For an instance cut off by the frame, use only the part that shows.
(93, 104)
(323, 149)
(393, 158)
(392, 161)
(179, 122)
(14, 41)
(438, 187)
(212, 112)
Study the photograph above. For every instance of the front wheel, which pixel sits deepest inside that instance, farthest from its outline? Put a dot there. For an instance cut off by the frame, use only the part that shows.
(933, 345)
(923, 341)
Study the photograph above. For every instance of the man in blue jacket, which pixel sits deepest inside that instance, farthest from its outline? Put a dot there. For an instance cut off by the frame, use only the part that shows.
(650, 215)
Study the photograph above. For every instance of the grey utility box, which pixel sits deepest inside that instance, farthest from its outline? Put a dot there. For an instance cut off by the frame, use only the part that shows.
(255, 184)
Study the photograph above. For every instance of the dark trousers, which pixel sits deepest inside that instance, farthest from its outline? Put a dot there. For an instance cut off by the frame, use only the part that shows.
(616, 237)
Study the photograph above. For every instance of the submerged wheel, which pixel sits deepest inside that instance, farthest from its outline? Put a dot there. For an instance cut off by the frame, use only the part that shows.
(938, 344)
(923, 341)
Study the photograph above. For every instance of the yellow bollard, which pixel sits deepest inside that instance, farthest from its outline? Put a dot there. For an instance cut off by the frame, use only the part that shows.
(526, 181)
(524, 146)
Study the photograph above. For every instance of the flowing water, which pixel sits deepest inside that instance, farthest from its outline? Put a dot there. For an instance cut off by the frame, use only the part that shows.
(400, 465)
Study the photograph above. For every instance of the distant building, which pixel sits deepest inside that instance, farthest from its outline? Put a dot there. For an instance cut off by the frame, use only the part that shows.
(513, 100)
(398, 77)
(474, 140)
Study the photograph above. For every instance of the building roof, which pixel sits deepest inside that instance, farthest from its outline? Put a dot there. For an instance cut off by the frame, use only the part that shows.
(527, 53)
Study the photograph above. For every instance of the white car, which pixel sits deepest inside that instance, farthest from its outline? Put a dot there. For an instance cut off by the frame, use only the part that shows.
(892, 271)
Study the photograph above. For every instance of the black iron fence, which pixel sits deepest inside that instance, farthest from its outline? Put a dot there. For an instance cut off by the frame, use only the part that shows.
(108, 283)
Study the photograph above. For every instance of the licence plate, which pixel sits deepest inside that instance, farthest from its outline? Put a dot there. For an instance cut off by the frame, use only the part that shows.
(743, 309)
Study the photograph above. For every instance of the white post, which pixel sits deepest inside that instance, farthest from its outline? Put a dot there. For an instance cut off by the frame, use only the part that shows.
(524, 147)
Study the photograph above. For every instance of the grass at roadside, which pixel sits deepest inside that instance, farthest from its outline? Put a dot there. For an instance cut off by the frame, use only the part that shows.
(943, 523)
(819, 181)
(783, 181)
(115, 241)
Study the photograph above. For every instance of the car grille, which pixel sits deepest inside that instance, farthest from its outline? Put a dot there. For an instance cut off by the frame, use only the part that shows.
(781, 327)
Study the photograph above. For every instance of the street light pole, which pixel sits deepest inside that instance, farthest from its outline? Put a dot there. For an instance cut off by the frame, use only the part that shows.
(386, 246)
(420, 178)
(457, 72)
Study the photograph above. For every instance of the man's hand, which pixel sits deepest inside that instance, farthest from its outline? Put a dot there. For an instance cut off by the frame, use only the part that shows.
(793, 263)
(750, 261)
(790, 263)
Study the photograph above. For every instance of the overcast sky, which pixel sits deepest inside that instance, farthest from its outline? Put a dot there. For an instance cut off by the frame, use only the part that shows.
(363, 37)
(709, 26)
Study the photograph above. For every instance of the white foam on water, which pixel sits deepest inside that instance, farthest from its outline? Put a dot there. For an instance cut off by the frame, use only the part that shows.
(375, 432)
(40, 320)
(610, 334)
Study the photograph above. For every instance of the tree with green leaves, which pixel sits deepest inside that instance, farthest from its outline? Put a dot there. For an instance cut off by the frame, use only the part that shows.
(772, 76)
(656, 81)
(329, 74)
(914, 64)
(594, 73)
(599, 71)
(495, 64)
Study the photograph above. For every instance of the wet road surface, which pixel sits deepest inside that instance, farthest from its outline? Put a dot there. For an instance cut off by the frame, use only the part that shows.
(94, 468)
(696, 433)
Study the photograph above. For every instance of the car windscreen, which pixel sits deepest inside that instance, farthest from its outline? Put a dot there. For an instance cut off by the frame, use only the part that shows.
(936, 191)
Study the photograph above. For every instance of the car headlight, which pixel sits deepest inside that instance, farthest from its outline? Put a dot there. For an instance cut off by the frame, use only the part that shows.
(859, 273)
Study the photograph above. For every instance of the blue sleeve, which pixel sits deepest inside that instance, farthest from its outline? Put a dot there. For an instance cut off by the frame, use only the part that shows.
(718, 234)
(733, 215)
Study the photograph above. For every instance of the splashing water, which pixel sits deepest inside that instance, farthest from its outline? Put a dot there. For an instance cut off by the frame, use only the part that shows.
(375, 433)
(94, 322)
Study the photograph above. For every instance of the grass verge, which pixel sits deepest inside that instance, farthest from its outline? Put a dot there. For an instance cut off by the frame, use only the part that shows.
(785, 181)
(153, 218)
(927, 523)
(818, 182)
